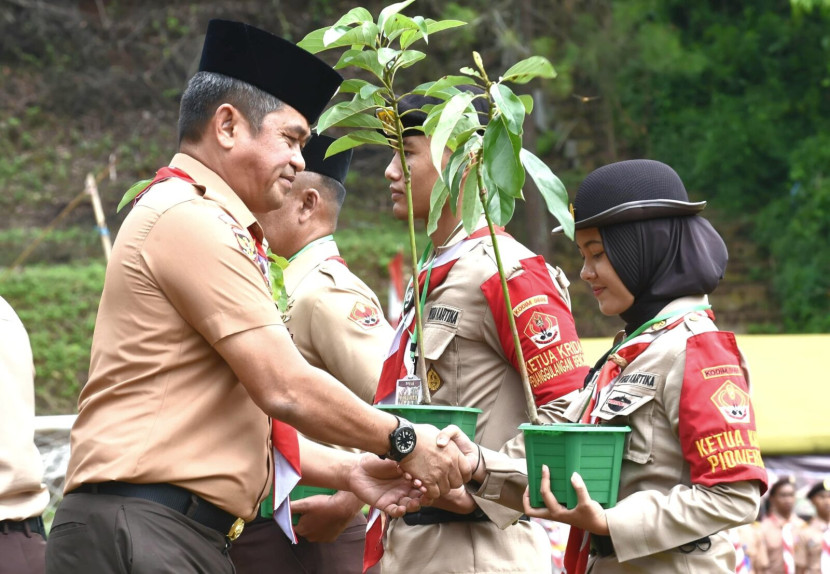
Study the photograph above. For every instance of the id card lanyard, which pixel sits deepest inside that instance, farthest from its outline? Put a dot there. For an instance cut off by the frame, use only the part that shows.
(310, 245)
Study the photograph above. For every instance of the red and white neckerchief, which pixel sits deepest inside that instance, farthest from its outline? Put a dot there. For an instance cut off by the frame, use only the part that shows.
(825, 551)
(788, 547)
(741, 558)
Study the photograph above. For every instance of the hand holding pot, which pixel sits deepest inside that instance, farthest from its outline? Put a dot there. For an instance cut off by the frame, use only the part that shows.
(587, 514)
(440, 468)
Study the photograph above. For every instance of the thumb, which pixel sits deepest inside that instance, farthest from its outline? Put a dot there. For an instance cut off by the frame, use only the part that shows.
(447, 434)
(582, 495)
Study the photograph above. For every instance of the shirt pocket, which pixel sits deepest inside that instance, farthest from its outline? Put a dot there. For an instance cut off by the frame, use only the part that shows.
(441, 354)
(635, 406)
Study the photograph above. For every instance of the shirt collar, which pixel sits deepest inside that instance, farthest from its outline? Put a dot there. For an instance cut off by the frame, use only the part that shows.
(307, 261)
(216, 189)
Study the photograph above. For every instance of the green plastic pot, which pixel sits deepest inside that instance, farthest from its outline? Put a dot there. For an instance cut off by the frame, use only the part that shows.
(439, 416)
(594, 451)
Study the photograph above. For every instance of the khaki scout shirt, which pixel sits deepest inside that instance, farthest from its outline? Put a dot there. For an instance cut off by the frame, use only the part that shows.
(659, 508)
(469, 368)
(808, 546)
(22, 492)
(161, 405)
(335, 320)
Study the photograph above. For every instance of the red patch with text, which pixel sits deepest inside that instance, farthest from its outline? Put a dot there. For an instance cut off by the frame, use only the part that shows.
(717, 421)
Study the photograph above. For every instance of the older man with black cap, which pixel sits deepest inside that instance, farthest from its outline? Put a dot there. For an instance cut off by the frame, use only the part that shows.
(471, 362)
(171, 451)
(337, 324)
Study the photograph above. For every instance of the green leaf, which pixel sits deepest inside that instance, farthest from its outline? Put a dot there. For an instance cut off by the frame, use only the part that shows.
(364, 35)
(479, 63)
(511, 107)
(452, 112)
(313, 41)
(470, 205)
(501, 158)
(400, 24)
(452, 175)
(470, 72)
(278, 292)
(368, 91)
(552, 190)
(354, 139)
(360, 120)
(353, 86)
(367, 60)
(339, 112)
(527, 101)
(134, 190)
(500, 207)
(386, 55)
(333, 34)
(357, 15)
(437, 201)
(434, 26)
(438, 87)
(386, 14)
(528, 69)
(408, 58)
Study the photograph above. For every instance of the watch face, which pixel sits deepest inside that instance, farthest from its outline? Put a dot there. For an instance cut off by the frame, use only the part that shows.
(405, 440)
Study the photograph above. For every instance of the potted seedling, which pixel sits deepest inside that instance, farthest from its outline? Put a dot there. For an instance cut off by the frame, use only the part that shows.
(487, 168)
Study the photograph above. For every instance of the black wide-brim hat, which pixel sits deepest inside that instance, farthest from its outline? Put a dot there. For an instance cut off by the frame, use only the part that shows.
(314, 154)
(272, 64)
(626, 191)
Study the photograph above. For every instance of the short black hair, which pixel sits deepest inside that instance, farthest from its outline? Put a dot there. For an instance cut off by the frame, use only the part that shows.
(207, 90)
(331, 186)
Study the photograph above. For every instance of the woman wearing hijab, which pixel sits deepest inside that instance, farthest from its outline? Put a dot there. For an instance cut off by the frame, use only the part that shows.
(691, 465)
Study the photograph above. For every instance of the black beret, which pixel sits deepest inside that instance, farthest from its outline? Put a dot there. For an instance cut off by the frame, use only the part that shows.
(272, 64)
(634, 190)
(335, 167)
(823, 486)
(409, 108)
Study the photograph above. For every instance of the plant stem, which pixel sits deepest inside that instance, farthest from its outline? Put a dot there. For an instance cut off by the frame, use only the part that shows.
(420, 360)
(520, 359)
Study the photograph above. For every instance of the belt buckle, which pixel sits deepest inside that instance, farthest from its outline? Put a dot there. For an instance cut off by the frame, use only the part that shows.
(236, 529)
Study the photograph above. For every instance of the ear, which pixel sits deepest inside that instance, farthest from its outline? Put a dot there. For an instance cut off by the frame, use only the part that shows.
(225, 125)
(310, 203)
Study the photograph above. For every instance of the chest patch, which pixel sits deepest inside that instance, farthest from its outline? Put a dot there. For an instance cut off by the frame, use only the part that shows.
(621, 403)
(445, 315)
(433, 379)
(647, 380)
(367, 316)
(732, 402)
(542, 329)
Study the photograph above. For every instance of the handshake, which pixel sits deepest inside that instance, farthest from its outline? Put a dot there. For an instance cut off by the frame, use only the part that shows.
(441, 461)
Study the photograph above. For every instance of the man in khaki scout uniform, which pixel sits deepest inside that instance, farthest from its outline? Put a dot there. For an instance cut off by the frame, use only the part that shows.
(812, 547)
(471, 362)
(23, 496)
(336, 322)
(171, 450)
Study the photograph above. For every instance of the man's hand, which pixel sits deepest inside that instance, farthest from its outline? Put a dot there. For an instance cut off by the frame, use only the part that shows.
(380, 483)
(325, 517)
(457, 500)
(439, 468)
(467, 447)
(587, 514)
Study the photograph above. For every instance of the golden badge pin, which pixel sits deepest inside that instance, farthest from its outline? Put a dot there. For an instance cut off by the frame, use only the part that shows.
(433, 379)
(236, 529)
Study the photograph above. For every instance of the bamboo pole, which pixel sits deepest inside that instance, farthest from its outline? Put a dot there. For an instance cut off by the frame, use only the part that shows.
(91, 189)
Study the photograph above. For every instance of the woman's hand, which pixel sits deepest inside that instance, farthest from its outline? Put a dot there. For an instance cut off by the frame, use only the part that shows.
(587, 514)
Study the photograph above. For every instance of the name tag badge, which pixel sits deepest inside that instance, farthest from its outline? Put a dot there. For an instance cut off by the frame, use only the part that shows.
(408, 390)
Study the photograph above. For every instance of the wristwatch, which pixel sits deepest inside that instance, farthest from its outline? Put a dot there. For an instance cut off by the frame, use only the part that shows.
(401, 440)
